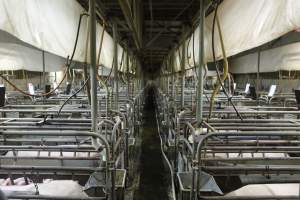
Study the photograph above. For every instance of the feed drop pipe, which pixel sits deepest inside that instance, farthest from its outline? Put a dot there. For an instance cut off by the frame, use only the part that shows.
(93, 65)
(225, 72)
(199, 105)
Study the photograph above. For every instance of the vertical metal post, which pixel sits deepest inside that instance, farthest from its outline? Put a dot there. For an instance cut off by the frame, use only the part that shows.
(44, 71)
(199, 106)
(93, 68)
(173, 76)
(116, 63)
(168, 84)
(128, 74)
(43, 85)
(182, 72)
(258, 71)
(199, 100)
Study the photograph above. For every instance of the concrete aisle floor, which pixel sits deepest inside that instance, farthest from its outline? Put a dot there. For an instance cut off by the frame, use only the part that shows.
(152, 173)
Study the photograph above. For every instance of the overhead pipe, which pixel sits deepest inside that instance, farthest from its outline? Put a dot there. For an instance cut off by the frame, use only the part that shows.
(130, 21)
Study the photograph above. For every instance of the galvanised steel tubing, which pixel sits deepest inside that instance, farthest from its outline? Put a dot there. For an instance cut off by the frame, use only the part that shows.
(192, 129)
(105, 121)
(253, 148)
(68, 133)
(176, 138)
(49, 197)
(237, 159)
(251, 142)
(123, 116)
(254, 197)
(186, 142)
(47, 158)
(183, 58)
(123, 126)
(112, 163)
(257, 112)
(252, 120)
(93, 67)
(166, 159)
(116, 65)
(263, 124)
(244, 169)
(45, 111)
(47, 127)
(209, 126)
(42, 140)
(69, 148)
(214, 134)
(50, 168)
(247, 128)
(200, 88)
(28, 106)
(47, 120)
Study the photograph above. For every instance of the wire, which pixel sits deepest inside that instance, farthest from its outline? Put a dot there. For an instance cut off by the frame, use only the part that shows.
(86, 81)
(217, 67)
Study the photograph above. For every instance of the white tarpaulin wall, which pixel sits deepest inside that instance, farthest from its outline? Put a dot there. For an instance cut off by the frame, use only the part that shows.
(247, 24)
(281, 58)
(17, 55)
(50, 25)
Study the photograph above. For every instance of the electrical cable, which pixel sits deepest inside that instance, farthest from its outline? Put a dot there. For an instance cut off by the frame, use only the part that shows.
(217, 69)
(61, 107)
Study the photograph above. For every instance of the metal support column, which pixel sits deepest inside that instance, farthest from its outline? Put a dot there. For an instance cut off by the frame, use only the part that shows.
(183, 57)
(199, 108)
(128, 74)
(93, 65)
(116, 82)
(173, 77)
(258, 71)
(43, 86)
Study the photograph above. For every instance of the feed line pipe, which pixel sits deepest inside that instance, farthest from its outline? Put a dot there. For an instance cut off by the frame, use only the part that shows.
(225, 72)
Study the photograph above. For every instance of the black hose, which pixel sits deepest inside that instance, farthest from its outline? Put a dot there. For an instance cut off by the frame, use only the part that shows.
(86, 81)
(217, 65)
(77, 36)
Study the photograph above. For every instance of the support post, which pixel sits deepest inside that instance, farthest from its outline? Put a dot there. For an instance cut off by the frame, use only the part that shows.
(44, 71)
(116, 63)
(199, 106)
(93, 65)
(173, 76)
(258, 71)
(128, 73)
(182, 73)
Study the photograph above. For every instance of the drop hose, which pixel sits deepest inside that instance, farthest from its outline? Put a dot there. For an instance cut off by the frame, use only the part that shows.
(225, 71)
